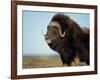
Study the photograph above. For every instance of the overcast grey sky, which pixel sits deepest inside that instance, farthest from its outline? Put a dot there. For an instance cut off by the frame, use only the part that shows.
(33, 22)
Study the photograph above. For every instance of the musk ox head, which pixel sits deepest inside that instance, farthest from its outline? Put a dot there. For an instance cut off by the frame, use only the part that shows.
(59, 27)
(66, 37)
(54, 32)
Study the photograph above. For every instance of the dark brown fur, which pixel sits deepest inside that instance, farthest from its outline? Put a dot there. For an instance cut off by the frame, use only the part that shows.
(75, 43)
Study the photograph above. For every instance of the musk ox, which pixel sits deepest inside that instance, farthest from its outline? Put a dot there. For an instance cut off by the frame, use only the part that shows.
(67, 38)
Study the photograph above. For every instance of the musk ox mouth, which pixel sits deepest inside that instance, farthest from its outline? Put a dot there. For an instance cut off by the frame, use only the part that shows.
(50, 42)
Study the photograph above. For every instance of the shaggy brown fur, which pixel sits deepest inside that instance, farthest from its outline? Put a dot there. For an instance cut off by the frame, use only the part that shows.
(74, 46)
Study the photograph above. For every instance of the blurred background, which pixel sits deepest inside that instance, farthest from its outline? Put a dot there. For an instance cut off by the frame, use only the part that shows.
(36, 52)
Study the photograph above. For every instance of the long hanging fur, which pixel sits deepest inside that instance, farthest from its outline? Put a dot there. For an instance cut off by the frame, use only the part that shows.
(75, 44)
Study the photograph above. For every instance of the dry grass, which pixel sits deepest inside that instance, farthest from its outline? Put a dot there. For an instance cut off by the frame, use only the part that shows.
(47, 61)
(41, 61)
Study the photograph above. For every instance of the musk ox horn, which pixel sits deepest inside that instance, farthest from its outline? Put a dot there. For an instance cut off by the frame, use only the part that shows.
(55, 23)
(60, 32)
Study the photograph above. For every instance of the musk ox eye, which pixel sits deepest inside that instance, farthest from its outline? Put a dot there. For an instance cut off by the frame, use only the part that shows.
(55, 28)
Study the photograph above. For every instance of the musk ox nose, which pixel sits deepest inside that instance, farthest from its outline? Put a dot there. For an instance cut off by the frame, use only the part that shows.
(48, 40)
(46, 37)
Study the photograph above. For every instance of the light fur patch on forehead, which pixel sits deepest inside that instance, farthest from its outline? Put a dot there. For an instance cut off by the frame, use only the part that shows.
(54, 23)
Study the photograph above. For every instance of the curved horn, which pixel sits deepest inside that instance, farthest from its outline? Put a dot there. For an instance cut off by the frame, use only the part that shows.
(55, 23)
(60, 31)
(62, 35)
